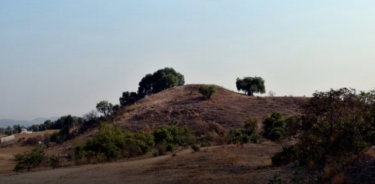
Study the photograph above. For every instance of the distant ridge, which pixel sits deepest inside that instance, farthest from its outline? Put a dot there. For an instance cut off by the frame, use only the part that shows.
(10, 122)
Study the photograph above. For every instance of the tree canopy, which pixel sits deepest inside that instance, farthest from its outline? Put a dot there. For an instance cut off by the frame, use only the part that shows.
(105, 107)
(128, 98)
(159, 81)
(251, 85)
(153, 83)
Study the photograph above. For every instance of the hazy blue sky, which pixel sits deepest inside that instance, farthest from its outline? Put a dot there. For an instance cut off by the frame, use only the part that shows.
(62, 57)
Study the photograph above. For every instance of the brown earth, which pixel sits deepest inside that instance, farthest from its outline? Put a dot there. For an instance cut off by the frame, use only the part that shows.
(6, 158)
(186, 105)
(228, 164)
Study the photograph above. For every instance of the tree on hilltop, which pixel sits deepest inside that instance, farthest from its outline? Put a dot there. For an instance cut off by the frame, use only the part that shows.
(105, 108)
(159, 81)
(251, 85)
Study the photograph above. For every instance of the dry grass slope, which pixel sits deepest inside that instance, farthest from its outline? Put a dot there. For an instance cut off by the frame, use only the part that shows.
(186, 105)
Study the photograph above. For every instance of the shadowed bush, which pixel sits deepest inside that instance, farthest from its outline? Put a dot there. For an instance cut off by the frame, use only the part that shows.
(29, 159)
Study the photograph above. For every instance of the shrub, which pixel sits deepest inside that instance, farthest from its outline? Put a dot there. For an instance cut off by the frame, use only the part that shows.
(274, 127)
(336, 125)
(155, 153)
(255, 137)
(195, 148)
(293, 125)
(251, 124)
(54, 137)
(162, 135)
(207, 91)
(30, 159)
(33, 141)
(170, 147)
(289, 154)
(54, 161)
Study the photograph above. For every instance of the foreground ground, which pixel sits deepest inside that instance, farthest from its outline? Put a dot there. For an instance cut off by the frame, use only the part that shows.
(251, 164)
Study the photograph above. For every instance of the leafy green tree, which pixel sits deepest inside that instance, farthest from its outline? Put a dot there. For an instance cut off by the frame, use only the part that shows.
(251, 85)
(207, 90)
(128, 98)
(105, 108)
(30, 159)
(159, 81)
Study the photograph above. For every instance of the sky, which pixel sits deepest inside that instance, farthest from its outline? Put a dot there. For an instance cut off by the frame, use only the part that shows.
(63, 57)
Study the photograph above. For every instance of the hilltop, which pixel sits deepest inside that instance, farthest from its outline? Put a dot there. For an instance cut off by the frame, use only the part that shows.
(186, 105)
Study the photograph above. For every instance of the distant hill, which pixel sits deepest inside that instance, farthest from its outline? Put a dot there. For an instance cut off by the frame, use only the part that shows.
(186, 105)
(10, 122)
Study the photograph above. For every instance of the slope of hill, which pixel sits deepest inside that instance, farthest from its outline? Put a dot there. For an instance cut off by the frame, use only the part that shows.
(187, 106)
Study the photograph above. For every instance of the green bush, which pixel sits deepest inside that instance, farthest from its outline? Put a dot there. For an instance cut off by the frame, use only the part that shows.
(162, 135)
(293, 125)
(170, 147)
(255, 137)
(251, 124)
(195, 148)
(274, 127)
(30, 159)
(207, 91)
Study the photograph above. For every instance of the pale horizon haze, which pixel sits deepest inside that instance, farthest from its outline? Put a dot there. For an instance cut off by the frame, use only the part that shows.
(63, 57)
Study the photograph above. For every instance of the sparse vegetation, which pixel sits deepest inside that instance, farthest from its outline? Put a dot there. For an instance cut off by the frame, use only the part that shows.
(335, 126)
(30, 159)
(207, 90)
(54, 161)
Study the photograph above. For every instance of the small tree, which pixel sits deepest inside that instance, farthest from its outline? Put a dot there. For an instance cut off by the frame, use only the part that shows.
(207, 91)
(251, 124)
(251, 85)
(274, 127)
(30, 159)
(105, 107)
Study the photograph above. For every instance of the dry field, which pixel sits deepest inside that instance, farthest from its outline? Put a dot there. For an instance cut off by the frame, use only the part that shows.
(231, 164)
(6, 157)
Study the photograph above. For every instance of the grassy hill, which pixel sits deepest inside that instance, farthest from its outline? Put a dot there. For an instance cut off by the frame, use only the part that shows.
(187, 106)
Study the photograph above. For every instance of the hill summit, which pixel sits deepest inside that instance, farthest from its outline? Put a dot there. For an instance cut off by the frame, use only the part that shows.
(185, 105)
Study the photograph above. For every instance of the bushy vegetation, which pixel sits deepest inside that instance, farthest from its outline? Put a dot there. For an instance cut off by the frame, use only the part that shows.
(153, 83)
(54, 161)
(246, 135)
(335, 126)
(251, 85)
(207, 90)
(114, 143)
(274, 127)
(30, 159)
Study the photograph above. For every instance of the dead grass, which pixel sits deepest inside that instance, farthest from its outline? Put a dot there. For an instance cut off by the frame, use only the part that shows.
(186, 105)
